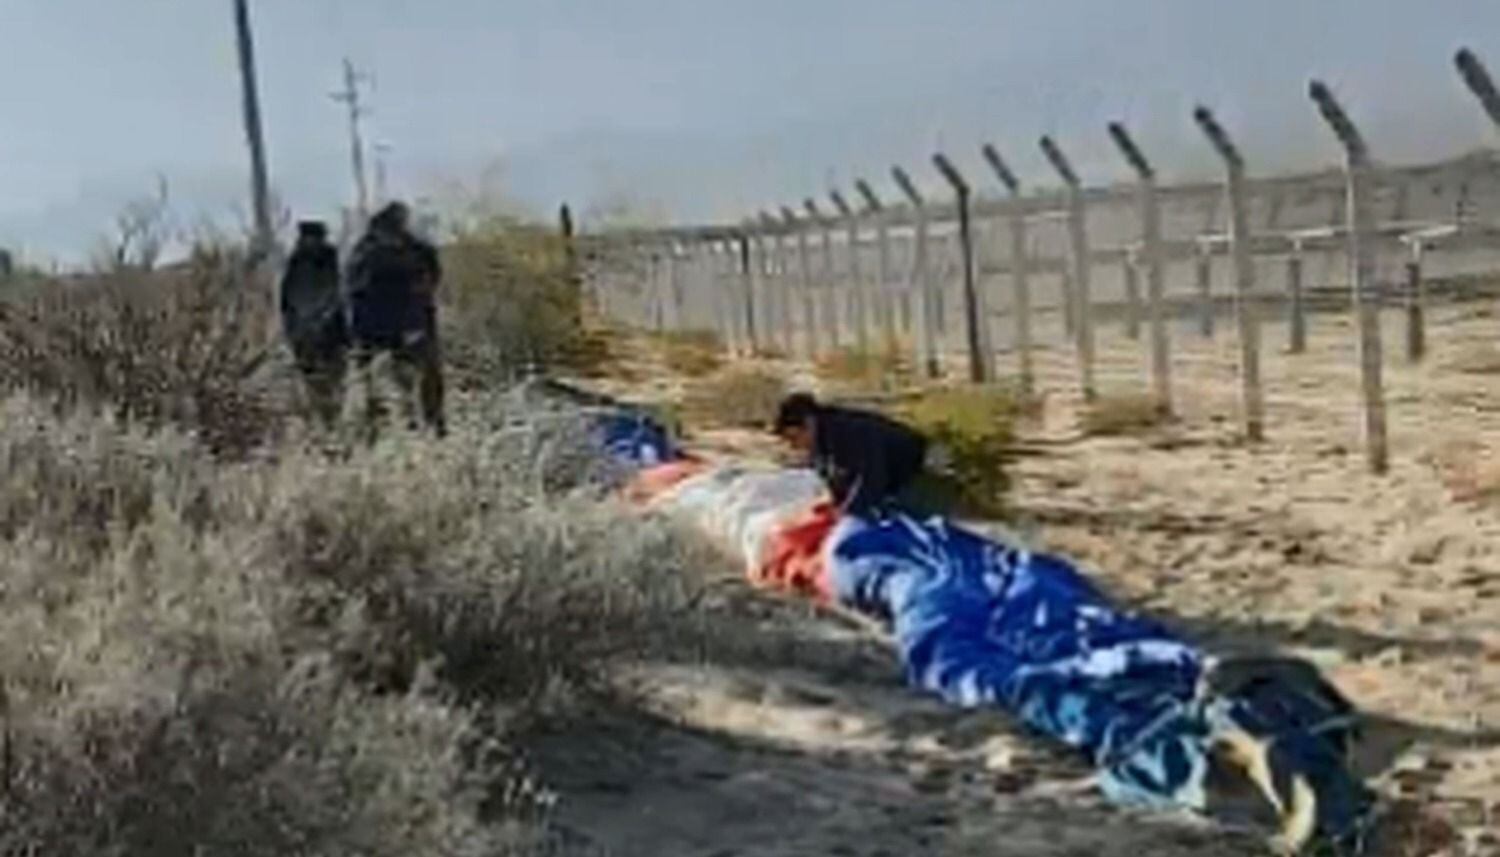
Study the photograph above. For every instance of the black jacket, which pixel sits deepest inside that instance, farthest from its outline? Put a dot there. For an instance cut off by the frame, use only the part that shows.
(312, 306)
(392, 285)
(865, 458)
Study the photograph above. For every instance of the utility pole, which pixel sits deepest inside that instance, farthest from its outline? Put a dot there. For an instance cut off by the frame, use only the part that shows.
(349, 95)
(260, 192)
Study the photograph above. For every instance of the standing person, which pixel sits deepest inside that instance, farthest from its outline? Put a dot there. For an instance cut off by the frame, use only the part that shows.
(393, 279)
(312, 317)
(867, 460)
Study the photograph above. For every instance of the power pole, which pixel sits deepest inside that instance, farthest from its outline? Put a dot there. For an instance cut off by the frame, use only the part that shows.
(260, 192)
(349, 95)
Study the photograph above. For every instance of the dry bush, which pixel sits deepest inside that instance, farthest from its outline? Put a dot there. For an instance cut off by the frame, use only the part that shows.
(180, 347)
(278, 656)
(738, 397)
(886, 367)
(973, 430)
(691, 353)
(510, 300)
(1122, 415)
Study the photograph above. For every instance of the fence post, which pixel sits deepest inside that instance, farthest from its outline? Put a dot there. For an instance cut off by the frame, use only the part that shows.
(1078, 242)
(828, 292)
(885, 311)
(856, 303)
(976, 315)
(751, 287)
(1362, 259)
(1479, 82)
(1297, 309)
(1244, 274)
(1161, 349)
(1019, 265)
(1132, 281)
(1416, 334)
(779, 286)
(675, 287)
(1204, 262)
(927, 345)
(809, 313)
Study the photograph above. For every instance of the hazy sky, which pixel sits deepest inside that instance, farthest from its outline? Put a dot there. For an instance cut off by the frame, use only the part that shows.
(696, 108)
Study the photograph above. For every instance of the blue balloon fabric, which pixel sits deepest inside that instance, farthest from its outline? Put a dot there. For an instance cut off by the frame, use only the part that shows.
(982, 623)
(979, 622)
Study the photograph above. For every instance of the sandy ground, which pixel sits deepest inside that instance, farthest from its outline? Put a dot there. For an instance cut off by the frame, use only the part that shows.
(1391, 584)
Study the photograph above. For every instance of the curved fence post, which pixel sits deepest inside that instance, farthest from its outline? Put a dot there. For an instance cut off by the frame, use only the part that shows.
(1150, 214)
(927, 345)
(1362, 268)
(885, 311)
(1253, 397)
(1081, 265)
(826, 288)
(976, 317)
(1019, 266)
(809, 313)
(856, 302)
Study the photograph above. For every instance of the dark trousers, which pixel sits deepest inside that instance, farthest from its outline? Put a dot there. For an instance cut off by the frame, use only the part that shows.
(416, 368)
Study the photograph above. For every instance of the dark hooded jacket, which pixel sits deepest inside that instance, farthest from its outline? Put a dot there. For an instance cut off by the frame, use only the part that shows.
(865, 458)
(393, 277)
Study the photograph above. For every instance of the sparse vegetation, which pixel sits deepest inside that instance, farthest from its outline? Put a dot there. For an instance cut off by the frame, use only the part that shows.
(878, 368)
(737, 397)
(973, 430)
(213, 631)
(691, 353)
(1122, 415)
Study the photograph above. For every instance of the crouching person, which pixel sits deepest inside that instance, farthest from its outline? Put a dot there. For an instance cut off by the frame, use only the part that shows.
(870, 463)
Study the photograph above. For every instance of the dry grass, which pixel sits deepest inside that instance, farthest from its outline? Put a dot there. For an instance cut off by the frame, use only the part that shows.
(311, 654)
(1121, 416)
(738, 397)
(217, 635)
(691, 353)
(852, 369)
(185, 348)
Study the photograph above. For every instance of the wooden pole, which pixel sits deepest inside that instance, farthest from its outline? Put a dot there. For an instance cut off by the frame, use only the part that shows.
(885, 310)
(1253, 397)
(778, 263)
(260, 187)
(927, 344)
(976, 316)
(1297, 307)
(1362, 265)
(1078, 242)
(809, 311)
(826, 288)
(1019, 267)
(859, 317)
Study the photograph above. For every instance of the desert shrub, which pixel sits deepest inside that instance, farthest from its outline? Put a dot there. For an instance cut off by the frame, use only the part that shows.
(182, 347)
(1121, 415)
(973, 430)
(279, 655)
(740, 397)
(880, 367)
(511, 300)
(693, 353)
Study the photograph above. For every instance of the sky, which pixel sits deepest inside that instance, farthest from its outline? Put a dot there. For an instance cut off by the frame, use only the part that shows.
(691, 110)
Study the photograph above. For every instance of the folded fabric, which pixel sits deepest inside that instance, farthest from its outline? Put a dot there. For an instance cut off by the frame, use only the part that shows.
(982, 622)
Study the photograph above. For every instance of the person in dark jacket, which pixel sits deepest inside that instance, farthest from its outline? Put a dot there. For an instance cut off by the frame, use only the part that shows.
(866, 459)
(312, 317)
(393, 279)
